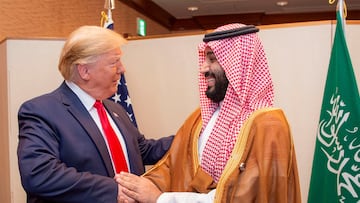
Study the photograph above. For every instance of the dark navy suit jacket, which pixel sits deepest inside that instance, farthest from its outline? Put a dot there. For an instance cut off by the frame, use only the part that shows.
(63, 156)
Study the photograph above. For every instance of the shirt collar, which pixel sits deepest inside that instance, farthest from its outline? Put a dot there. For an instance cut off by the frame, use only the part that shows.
(87, 100)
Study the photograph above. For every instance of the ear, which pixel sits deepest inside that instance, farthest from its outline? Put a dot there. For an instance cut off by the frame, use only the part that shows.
(83, 71)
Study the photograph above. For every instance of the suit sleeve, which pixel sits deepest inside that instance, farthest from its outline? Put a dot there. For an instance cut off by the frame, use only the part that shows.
(153, 150)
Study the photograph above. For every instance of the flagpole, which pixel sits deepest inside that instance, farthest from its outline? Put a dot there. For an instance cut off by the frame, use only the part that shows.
(109, 5)
(342, 10)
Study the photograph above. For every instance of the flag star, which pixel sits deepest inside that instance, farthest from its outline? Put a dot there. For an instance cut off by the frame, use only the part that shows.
(122, 83)
(116, 98)
(128, 101)
(130, 116)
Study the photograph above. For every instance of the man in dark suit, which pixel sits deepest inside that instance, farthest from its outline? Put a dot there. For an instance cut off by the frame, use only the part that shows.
(63, 151)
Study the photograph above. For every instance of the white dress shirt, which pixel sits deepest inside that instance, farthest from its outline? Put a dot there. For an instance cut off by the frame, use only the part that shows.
(185, 197)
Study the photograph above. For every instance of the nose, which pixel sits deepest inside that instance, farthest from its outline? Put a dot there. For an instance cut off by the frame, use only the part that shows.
(120, 68)
(204, 68)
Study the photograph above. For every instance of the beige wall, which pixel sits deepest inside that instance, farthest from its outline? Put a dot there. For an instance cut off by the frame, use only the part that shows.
(35, 73)
(4, 129)
(57, 18)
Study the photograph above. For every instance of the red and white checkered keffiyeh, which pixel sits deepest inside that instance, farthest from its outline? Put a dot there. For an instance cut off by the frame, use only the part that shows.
(250, 88)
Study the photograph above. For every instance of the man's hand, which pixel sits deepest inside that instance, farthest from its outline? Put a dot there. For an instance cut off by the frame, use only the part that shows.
(123, 198)
(138, 188)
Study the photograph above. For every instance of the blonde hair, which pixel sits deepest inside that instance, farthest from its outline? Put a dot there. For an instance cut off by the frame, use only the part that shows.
(84, 45)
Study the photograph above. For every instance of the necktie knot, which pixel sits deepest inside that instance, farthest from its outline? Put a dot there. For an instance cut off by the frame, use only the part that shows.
(98, 104)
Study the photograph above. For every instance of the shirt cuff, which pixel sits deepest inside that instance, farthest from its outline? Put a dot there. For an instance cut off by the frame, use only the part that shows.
(185, 197)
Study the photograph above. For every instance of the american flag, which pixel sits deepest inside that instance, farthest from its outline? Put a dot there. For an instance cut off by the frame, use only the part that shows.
(122, 95)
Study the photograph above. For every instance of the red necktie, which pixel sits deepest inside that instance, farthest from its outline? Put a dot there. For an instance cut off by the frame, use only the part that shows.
(117, 153)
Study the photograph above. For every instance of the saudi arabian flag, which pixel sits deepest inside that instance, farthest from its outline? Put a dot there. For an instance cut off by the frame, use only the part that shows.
(336, 166)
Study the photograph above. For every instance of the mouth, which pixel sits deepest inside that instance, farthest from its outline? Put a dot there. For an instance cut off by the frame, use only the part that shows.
(116, 81)
(210, 81)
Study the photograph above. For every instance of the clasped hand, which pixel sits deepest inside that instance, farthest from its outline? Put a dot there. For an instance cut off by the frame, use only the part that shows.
(133, 188)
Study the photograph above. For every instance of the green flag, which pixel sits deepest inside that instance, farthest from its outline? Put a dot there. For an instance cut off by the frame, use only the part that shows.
(336, 166)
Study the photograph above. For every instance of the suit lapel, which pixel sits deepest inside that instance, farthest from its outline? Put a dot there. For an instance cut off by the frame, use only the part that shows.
(118, 119)
(77, 109)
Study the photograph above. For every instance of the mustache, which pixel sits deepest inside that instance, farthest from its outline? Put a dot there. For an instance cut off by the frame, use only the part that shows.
(207, 74)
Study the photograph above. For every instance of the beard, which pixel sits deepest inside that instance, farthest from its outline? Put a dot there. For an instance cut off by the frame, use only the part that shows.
(218, 91)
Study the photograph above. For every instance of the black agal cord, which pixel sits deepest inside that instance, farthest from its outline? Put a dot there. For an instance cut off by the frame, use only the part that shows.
(230, 33)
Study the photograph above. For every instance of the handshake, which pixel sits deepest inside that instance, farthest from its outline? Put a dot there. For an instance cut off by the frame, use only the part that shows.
(133, 188)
